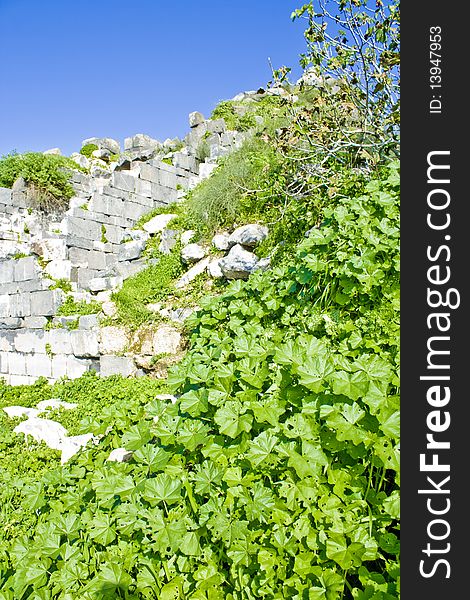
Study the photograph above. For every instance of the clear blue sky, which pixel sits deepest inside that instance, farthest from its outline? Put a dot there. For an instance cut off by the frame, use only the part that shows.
(113, 68)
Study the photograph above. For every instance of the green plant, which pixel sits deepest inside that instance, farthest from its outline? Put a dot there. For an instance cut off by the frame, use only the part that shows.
(71, 308)
(150, 285)
(202, 150)
(277, 470)
(104, 239)
(88, 150)
(46, 176)
(61, 284)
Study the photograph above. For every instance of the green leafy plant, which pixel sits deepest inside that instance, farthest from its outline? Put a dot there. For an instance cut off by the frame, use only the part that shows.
(88, 149)
(46, 176)
(70, 307)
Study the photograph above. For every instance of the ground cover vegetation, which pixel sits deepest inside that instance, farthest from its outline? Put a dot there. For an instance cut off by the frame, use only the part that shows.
(276, 472)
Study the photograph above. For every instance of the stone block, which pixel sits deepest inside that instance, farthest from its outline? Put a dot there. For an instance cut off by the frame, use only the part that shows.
(84, 343)
(7, 341)
(128, 269)
(34, 322)
(25, 269)
(16, 363)
(83, 228)
(7, 271)
(163, 194)
(20, 380)
(113, 339)
(167, 179)
(60, 341)
(116, 365)
(51, 249)
(149, 172)
(195, 118)
(8, 323)
(88, 322)
(146, 201)
(130, 250)
(114, 234)
(143, 188)
(31, 340)
(58, 366)
(4, 362)
(85, 276)
(109, 144)
(38, 365)
(216, 126)
(115, 193)
(4, 306)
(5, 196)
(33, 285)
(134, 211)
(123, 181)
(46, 303)
(79, 242)
(185, 161)
(20, 305)
(79, 256)
(76, 366)
(59, 269)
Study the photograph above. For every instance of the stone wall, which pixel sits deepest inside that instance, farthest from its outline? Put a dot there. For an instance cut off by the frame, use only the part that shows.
(93, 245)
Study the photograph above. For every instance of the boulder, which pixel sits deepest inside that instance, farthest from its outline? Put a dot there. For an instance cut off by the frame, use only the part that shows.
(168, 241)
(248, 235)
(187, 236)
(158, 223)
(221, 241)
(214, 269)
(104, 143)
(43, 430)
(195, 118)
(192, 253)
(239, 263)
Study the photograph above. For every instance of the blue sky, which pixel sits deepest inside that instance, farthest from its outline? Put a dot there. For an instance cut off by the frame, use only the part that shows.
(113, 68)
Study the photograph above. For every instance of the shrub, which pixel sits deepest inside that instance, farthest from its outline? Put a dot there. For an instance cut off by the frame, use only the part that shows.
(46, 175)
(88, 150)
(242, 187)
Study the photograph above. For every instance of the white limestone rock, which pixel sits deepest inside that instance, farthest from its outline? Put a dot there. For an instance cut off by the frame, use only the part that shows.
(239, 263)
(192, 253)
(249, 235)
(192, 273)
(158, 223)
(221, 241)
(120, 455)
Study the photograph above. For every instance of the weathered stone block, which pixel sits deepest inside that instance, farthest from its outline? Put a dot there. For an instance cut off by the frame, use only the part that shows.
(148, 172)
(76, 366)
(4, 362)
(31, 340)
(83, 228)
(34, 322)
(143, 187)
(84, 343)
(130, 250)
(46, 303)
(38, 365)
(11, 323)
(16, 363)
(128, 269)
(113, 339)
(88, 322)
(7, 341)
(185, 161)
(79, 256)
(85, 276)
(163, 194)
(123, 181)
(216, 126)
(59, 269)
(20, 305)
(60, 341)
(167, 179)
(4, 306)
(25, 269)
(134, 211)
(116, 365)
(114, 234)
(58, 366)
(5, 196)
(7, 271)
